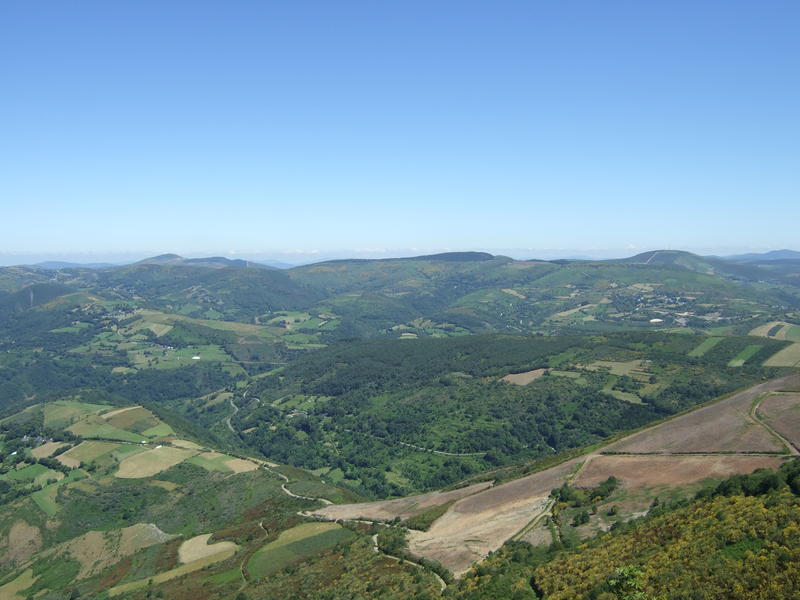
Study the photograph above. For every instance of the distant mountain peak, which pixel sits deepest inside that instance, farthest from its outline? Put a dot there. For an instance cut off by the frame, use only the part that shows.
(161, 259)
(213, 262)
(454, 257)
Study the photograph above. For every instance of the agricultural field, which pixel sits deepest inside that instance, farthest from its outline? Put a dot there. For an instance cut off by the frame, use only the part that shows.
(404, 508)
(779, 330)
(294, 545)
(86, 452)
(781, 411)
(788, 357)
(746, 354)
(61, 413)
(644, 471)
(478, 524)
(46, 449)
(96, 427)
(152, 462)
(724, 426)
(215, 461)
(705, 346)
(523, 378)
(198, 548)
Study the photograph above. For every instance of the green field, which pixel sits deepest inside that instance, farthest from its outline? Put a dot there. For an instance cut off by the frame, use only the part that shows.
(214, 464)
(63, 412)
(296, 544)
(793, 333)
(29, 472)
(705, 346)
(74, 328)
(90, 450)
(743, 356)
(104, 431)
(160, 430)
(46, 499)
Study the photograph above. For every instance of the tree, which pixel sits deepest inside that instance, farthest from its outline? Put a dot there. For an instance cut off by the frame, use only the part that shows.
(627, 582)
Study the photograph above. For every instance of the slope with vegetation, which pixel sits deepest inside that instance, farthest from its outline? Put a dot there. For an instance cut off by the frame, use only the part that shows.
(168, 427)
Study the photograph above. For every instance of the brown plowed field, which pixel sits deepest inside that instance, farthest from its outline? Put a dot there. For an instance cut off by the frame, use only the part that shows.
(479, 524)
(724, 426)
(653, 471)
(524, 378)
(402, 507)
(46, 449)
(782, 413)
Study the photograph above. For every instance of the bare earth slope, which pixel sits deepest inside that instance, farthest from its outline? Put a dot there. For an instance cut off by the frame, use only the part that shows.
(725, 426)
(478, 524)
(404, 508)
(782, 413)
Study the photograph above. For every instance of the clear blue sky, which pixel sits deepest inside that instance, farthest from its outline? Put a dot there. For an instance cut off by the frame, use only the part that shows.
(256, 126)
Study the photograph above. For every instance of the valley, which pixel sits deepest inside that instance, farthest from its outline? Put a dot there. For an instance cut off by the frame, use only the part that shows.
(400, 428)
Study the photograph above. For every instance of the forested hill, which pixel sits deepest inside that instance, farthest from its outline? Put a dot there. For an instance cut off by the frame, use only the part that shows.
(366, 408)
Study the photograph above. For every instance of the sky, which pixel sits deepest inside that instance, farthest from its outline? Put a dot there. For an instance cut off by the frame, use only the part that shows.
(258, 128)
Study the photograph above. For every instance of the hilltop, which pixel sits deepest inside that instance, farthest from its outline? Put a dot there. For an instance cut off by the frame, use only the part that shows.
(451, 293)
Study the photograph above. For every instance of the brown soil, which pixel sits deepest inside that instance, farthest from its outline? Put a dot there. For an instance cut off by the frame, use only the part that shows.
(479, 524)
(22, 542)
(46, 449)
(524, 378)
(782, 413)
(198, 548)
(98, 550)
(239, 465)
(402, 507)
(151, 462)
(115, 575)
(724, 426)
(652, 471)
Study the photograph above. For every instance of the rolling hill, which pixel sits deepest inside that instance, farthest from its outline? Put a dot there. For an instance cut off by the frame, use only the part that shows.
(192, 428)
